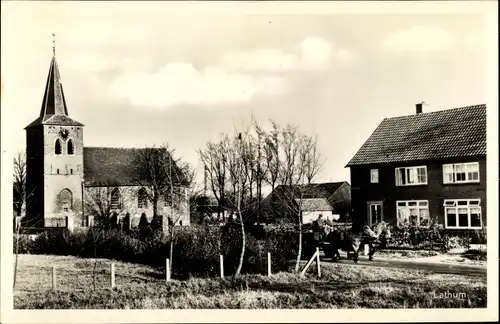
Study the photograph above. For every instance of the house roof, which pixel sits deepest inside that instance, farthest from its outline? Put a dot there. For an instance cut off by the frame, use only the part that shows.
(314, 204)
(452, 133)
(313, 190)
(110, 166)
(54, 110)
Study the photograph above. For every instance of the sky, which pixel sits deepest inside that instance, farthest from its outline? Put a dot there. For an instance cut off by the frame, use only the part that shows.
(139, 74)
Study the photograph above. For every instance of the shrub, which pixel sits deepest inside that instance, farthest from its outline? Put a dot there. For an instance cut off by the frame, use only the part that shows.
(458, 241)
(24, 244)
(408, 235)
(195, 254)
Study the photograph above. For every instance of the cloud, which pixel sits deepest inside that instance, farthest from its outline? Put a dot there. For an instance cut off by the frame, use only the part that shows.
(237, 78)
(312, 53)
(420, 38)
(316, 53)
(181, 82)
(262, 59)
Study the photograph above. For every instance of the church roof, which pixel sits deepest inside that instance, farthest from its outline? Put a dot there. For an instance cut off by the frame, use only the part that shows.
(111, 166)
(54, 110)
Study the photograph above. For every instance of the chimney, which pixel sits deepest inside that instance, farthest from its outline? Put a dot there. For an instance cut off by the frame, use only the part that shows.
(419, 108)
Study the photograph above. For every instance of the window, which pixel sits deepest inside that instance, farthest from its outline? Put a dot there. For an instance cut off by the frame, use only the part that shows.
(374, 175)
(414, 212)
(461, 172)
(71, 150)
(58, 147)
(142, 199)
(410, 176)
(462, 213)
(375, 214)
(115, 199)
(65, 200)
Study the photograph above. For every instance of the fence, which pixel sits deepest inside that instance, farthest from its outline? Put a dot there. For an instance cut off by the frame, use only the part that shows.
(84, 274)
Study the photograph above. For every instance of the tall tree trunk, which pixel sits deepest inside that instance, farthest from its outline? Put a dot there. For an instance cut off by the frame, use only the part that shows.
(299, 252)
(155, 206)
(171, 248)
(17, 252)
(259, 199)
(243, 238)
(95, 261)
(273, 202)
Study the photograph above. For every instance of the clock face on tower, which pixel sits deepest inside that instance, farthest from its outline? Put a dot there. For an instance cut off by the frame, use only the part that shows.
(64, 133)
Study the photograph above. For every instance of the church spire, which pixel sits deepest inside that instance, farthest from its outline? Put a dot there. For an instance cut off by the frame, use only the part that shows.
(54, 102)
(53, 44)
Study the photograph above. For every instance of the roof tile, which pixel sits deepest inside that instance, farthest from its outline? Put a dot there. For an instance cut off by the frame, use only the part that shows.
(452, 133)
(105, 166)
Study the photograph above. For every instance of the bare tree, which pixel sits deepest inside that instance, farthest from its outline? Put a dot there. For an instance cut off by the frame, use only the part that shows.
(239, 172)
(149, 167)
(313, 161)
(299, 164)
(260, 167)
(19, 185)
(104, 200)
(214, 158)
(180, 185)
(272, 161)
(21, 195)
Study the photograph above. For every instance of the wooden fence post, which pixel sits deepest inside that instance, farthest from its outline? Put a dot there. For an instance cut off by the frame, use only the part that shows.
(221, 262)
(112, 275)
(314, 256)
(268, 263)
(317, 262)
(167, 270)
(54, 282)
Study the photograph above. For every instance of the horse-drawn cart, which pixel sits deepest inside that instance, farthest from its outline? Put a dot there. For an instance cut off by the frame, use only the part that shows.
(330, 239)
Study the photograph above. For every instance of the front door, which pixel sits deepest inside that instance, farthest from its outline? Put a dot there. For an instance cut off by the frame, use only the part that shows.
(374, 212)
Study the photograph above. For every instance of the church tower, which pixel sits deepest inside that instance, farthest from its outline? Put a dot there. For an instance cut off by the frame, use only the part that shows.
(54, 161)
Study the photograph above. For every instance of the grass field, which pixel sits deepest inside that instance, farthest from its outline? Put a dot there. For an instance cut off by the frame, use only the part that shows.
(142, 287)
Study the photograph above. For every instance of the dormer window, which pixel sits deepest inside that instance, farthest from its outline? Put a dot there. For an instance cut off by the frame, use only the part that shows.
(71, 149)
(58, 147)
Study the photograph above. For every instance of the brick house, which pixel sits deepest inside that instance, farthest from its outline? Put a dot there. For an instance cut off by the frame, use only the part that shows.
(416, 168)
(62, 175)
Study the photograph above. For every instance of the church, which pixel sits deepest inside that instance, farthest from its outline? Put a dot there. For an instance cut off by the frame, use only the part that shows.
(69, 185)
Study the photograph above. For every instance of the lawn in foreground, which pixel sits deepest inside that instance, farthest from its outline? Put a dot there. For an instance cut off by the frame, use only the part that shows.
(143, 287)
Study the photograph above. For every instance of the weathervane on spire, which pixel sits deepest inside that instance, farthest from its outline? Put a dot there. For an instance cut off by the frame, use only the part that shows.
(54, 44)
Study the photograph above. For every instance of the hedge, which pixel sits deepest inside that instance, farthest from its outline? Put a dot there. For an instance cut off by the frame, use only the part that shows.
(195, 254)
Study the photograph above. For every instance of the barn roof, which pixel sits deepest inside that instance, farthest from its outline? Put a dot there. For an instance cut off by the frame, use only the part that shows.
(313, 190)
(314, 204)
(452, 133)
(110, 166)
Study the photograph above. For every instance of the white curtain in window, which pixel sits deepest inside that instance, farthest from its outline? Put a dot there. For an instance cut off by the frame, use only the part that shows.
(421, 175)
(448, 173)
(472, 171)
(424, 217)
(403, 216)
